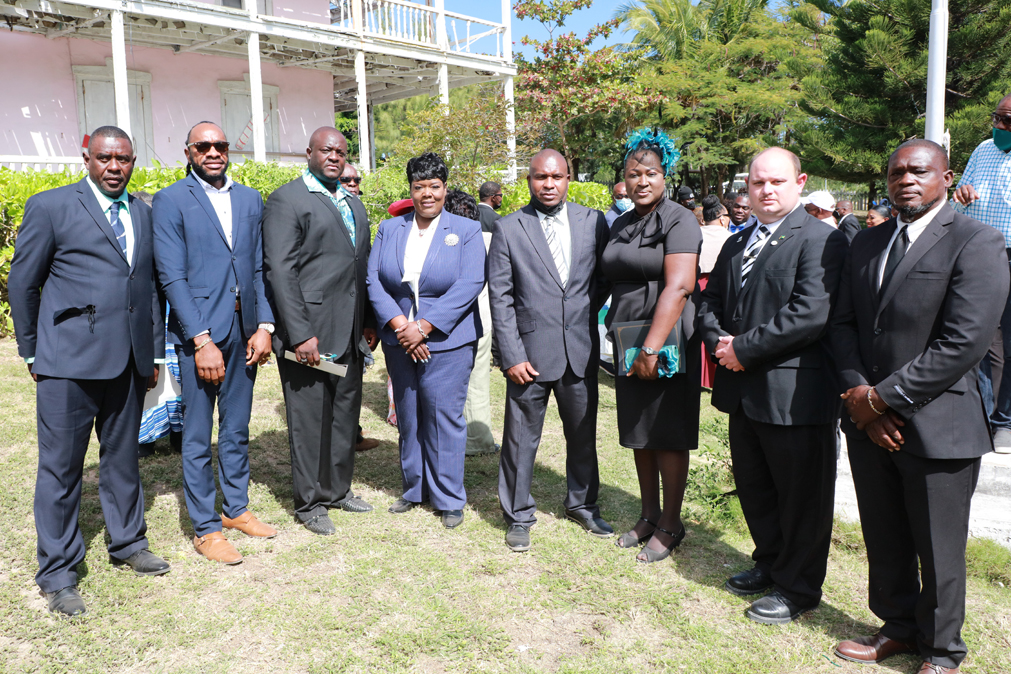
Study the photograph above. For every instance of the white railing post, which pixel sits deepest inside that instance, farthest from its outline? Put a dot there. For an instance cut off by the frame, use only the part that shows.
(364, 135)
(510, 125)
(441, 40)
(121, 86)
(357, 19)
(507, 31)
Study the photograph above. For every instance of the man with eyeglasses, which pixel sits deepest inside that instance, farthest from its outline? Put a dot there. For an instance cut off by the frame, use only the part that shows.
(209, 254)
(490, 200)
(984, 193)
(350, 180)
(316, 244)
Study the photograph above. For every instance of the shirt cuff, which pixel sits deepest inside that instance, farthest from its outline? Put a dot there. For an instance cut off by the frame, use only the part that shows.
(159, 361)
(30, 360)
(205, 332)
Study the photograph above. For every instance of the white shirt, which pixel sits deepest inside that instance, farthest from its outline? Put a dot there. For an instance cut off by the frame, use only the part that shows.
(830, 221)
(418, 243)
(125, 218)
(221, 201)
(772, 227)
(713, 238)
(913, 231)
(563, 232)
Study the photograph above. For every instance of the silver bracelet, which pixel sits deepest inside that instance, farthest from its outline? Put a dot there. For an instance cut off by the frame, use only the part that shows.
(869, 402)
(420, 329)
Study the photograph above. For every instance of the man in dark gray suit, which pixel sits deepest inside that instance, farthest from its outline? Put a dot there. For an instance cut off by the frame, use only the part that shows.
(920, 299)
(763, 315)
(316, 244)
(849, 224)
(490, 194)
(544, 300)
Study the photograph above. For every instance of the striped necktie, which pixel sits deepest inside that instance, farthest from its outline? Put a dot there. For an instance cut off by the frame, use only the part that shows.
(117, 226)
(555, 246)
(752, 251)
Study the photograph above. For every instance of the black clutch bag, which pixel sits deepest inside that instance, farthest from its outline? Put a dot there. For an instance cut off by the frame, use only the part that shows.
(629, 337)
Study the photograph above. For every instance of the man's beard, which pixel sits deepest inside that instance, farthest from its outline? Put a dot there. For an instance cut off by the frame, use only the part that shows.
(910, 213)
(203, 175)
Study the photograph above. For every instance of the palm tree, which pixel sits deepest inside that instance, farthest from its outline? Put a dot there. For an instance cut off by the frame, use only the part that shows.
(672, 29)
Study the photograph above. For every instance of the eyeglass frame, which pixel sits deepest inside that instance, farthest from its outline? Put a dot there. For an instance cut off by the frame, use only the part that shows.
(1001, 120)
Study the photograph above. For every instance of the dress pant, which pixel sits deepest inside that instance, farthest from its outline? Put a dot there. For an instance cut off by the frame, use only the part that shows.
(430, 398)
(915, 517)
(1001, 416)
(66, 411)
(477, 410)
(785, 478)
(322, 410)
(234, 398)
(524, 420)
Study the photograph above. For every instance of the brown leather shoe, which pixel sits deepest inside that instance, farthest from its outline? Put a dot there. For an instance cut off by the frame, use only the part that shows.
(366, 444)
(249, 525)
(931, 668)
(215, 547)
(872, 649)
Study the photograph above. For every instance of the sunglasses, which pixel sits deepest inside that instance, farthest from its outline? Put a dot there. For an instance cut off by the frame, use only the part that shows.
(203, 146)
(999, 120)
(350, 179)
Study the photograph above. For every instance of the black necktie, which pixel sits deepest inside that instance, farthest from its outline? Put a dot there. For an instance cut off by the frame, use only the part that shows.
(895, 256)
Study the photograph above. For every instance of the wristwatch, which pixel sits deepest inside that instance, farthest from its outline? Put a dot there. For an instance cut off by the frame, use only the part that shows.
(648, 351)
(269, 327)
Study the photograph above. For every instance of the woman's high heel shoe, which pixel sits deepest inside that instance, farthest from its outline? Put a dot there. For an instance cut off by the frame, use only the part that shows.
(630, 540)
(656, 556)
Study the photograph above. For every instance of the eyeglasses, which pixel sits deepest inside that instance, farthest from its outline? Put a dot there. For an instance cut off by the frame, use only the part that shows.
(1001, 120)
(499, 195)
(350, 179)
(203, 146)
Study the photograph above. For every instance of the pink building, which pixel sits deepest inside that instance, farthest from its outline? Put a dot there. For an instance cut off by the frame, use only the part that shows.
(269, 75)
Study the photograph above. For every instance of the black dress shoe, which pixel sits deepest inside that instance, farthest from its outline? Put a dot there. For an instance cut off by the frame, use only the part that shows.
(321, 525)
(593, 525)
(452, 518)
(775, 609)
(144, 563)
(145, 449)
(402, 505)
(517, 538)
(66, 602)
(353, 504)
(752, 581)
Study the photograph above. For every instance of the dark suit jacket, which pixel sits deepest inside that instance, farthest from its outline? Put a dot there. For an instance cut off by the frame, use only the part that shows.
(534, 318)
(451, 279)
(488, 217)
(316, 278)
(778, 321)
(198, 270)
(79, 309)
(921, 343)
(850, 226)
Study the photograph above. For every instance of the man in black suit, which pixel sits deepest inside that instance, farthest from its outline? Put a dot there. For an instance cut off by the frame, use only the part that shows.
(490, 200)
(763, 316)
(849, 224)
(919, 302)
(89, 325)
(316, 244)
(544, 302)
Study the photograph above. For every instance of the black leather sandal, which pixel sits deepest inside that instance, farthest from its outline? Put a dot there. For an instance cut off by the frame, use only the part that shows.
(655, 556)
(630, 540)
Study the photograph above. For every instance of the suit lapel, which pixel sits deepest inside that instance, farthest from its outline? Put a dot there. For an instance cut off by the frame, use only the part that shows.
(197, 190)
(531, 224)
(94, 209)
(874, 263)
(776, 242)
(325, 200)
(362, 231)
(402, 234)
(438, 241)
(577, 231)
(928, 239)
(140, 227)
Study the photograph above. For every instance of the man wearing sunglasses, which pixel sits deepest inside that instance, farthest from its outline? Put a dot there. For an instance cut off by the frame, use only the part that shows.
(490, 194)
(350, 180)
(984, 193)
(209, 254)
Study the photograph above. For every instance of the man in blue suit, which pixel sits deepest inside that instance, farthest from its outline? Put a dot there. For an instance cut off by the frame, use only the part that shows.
(88, 323)
(209, 254)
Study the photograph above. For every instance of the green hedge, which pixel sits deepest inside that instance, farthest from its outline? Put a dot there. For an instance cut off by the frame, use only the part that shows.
(384, 186)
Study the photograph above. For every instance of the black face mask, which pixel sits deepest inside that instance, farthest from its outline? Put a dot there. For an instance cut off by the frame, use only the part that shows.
(546, 210)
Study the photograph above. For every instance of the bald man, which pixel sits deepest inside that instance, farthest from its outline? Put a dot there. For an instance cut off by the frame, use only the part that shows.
(209, 253)
(849, 224)
(544, 301)
(763, 316)
(316, 245)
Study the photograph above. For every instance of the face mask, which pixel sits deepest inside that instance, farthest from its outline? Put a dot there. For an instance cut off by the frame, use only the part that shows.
(1002, 139)
(623, 204)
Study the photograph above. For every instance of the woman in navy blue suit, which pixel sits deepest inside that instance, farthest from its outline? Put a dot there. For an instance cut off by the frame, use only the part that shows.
(426, 271)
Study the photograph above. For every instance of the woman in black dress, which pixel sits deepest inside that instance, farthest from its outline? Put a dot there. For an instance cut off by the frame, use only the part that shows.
(651, 259)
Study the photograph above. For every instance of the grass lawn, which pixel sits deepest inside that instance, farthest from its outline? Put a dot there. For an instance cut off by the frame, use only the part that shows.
(400, 593)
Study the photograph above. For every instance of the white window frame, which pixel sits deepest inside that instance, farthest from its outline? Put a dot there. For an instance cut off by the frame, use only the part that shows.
(269, 91)
(104, 73)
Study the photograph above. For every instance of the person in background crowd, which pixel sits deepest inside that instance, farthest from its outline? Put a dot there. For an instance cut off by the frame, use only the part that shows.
(848, 223)
(686, 197)
(316, 243)
(651, 260)
(490, 194)
(208, 249)
(821, 204)
(877, 215)
(92, 289)
(477, 410)
(764, 315)
(621, 203)
(906, 342)
(543, 285)
(983, 193)
(715, 233)
(425, 275)
(741, 216)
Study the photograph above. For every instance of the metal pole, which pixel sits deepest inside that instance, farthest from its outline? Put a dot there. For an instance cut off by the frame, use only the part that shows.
(363, 114)
(121, 86)
(507, 88)
(256, 99)
(937, 56)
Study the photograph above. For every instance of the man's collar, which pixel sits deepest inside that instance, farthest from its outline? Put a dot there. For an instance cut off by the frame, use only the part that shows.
(481, 203)
(211, 188)
(104, 200)
(314, 185)
(563, 213)
(777, 223)
(925, 220)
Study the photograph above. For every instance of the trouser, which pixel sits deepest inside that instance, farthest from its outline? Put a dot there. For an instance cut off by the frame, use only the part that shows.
(322, 410)
(914, 513)
(66, 409)
(234, 398)
(477, 410)
(785, 478)
(1001, 417)
(524, 420)
(991, 371)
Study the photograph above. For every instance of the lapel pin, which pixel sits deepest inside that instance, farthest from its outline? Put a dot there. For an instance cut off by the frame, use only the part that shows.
(739, 239)
(452, 239)
(773, 243)
(782, 236)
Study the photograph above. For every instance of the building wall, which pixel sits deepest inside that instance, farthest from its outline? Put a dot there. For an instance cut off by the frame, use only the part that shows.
(38, 111)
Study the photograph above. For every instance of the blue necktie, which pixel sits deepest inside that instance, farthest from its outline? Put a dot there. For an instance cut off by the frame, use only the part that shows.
(117, 226)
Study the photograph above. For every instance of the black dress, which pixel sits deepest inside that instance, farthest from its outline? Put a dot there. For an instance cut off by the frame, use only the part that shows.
(661, 414)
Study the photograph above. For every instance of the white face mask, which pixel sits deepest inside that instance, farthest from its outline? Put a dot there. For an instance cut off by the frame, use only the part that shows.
(623, 204)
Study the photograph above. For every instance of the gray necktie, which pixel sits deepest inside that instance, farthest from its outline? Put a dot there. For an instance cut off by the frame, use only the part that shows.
(752, 251)
(555, 246)
(117, 226)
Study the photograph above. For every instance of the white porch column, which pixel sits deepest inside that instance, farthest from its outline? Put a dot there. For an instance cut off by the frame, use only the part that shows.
(256, 98)
(442, 41)
(507, 88)
(937, 66)
(364, 134)
(444, 85)
(372, 135)
(121, 87)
